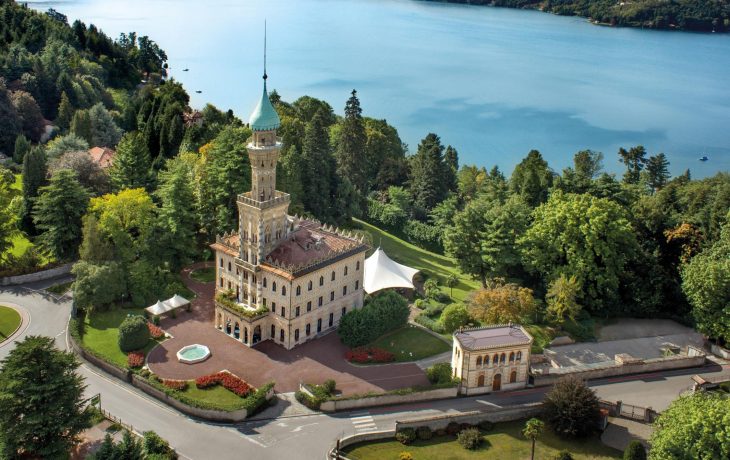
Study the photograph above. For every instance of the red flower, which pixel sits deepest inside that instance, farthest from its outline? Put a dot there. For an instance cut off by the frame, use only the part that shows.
(179, 385)
(135, 359)
(155, 331)
(229, 381)
(369, 355)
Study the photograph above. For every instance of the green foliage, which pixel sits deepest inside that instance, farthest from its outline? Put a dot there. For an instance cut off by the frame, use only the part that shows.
(22, 146)
(440, 373)
(351, 144)
(9, 121)
(428, 170)
(424, 433)
(41, 396)
(88, 172)
(104, 131)
(64, 144)
(532, 179)
(7, 215)
(563, 455)
(133, 334)
(57, 214)
(129, 448)
(132, 164)
(582, 236)
(426, 321)
(153, 444)
(562, 299)
(694, 426)
(454, 316)
(657, 171)
(94, 246)
(470, 438)
(572, 408)
(34, 176)
(635, 451)
(382, 313)
(98, 285)
(406, 435)
(176, 216)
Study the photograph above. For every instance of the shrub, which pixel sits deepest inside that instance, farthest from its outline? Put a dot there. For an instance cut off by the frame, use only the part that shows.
(486, 426)
(465, 426)
(469, 438)
(229, 381)
(563, 455)
(429, 323)
(156, 320)
(452, 428)
(454, 316)
(154, 445)
(179, 385)
(133, 334)
(405, 456)
(424, 433)
(635, 451)
(382, 313)
(135, 359)
(420, 303)
(572, 408)
(369, 355)
(434, 309)
(330, 385)
(155, 331)
(439, 373)
(406, 435)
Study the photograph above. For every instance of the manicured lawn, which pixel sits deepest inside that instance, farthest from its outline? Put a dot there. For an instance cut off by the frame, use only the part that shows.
(102, 334)
(203, 275)
(216, 396)
(9, 322)
(505, 442)
(59, 289)
(411, 343)
(434, 265)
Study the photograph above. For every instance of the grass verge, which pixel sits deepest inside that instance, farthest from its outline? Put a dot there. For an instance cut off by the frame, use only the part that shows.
(411, 343)
(9, 322)
(101, 334)
(203, 275)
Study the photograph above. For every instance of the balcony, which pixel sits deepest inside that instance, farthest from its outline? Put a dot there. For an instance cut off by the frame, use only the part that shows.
(279, 198)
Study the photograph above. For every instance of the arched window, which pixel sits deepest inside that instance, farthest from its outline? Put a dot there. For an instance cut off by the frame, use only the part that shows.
(519, 356)
(309, 285)
(264, 282)
(321, 280)
(333, 275)
(495, 359)
(479, 361)
(502, 358)
(357, 265)
(486, 360)
(273, 286)
(299, 290)
(345, 270)
(512, 357)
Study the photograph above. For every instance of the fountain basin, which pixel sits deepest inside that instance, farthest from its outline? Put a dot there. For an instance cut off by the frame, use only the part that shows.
(191, 354)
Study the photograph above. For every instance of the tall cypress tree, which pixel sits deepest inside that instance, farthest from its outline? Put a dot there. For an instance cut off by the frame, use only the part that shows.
(427, 174)
(34, 176)
(65, 112)
(351, 146)
(176, 215)
(451, 159)
(22, 147)
(81, 125)
(131, 168)
(319, 169)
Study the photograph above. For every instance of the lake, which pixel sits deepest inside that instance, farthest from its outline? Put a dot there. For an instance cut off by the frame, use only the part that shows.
(492, 82)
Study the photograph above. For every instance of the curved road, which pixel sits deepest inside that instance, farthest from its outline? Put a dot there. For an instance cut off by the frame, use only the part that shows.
(298, 437)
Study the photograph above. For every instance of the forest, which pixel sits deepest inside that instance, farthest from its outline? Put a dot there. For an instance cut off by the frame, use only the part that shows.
(571, 242)
(691, 15)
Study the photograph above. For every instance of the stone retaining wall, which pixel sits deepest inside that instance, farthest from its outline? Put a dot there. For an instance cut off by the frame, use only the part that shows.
(387, 399)
(122, 374)
(613, 370)
(37, 276)
(356, 438)
(720, 351)
(496, 415)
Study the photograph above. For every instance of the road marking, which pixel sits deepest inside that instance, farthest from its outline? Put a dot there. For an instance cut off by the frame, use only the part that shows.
(486, 403)
(299, 428)
(362, 417)
(363, 421)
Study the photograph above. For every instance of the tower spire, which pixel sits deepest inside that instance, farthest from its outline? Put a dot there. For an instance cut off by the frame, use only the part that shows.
(265, 76)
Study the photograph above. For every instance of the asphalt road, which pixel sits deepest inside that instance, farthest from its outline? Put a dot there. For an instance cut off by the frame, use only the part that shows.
(299, 437)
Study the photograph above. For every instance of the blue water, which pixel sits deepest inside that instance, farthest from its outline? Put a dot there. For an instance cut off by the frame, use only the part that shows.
(492, 82)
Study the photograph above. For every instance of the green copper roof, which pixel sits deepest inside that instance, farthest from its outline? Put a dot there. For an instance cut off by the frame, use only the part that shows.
(264, 117)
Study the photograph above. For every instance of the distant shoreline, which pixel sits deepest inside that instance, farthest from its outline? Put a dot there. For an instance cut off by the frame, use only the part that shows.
(667, 17)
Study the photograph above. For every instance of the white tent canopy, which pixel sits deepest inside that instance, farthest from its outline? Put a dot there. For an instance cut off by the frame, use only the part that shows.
(381, 272)
(170, 304)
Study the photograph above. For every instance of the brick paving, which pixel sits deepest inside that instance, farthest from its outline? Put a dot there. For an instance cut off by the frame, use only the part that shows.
(312, 362)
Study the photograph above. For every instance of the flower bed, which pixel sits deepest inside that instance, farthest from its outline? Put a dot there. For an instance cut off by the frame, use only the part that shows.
(229, 381)
(156, 332)
(135, 359)
(179, 385)
(369, 355)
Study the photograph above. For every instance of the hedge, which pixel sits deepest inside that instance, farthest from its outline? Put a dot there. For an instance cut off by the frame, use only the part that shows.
(384, 312)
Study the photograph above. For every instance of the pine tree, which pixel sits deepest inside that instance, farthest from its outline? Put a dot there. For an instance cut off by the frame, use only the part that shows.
(657, 171)
(41, 396)
(104, 131)
(176, 216)
(532, 179)
(34, 176)
(427, 174)
(22, 146)
(81, 125)
(319, 169)
(634, 159)
(351, 146)
(65, 112)
(57, 214)
(451, 158)
(95, 248)
(132, 164)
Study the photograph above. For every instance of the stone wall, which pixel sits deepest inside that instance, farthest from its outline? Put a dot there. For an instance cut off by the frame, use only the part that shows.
(613, 370)
(496, 415)
(719, 351)
(122, 374)
(356, 438)
(37, 276)
(387, 399)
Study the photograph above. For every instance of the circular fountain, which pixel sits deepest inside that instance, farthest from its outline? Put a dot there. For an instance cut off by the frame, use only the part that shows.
(191, 354)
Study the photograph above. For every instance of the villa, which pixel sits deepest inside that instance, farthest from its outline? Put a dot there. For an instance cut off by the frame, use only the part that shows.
(282, 278)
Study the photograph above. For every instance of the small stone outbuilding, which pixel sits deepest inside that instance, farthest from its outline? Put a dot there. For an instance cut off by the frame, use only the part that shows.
(491, 358)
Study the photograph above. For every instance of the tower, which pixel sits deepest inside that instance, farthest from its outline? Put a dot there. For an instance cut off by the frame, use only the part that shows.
(263, 219)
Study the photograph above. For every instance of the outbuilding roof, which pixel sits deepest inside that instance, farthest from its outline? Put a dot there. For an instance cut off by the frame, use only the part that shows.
(499, 335)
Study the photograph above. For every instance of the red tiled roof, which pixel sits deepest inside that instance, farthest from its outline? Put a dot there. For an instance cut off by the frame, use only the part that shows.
(310, 243)
(102, 156)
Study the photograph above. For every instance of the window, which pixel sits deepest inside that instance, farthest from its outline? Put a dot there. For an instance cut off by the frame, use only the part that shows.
(296, 335)
(486, 360)
(512, 357)
(320, 301)
(309, 306)
(281, 335)
(519, 356)
(273, 286)
(221, 261)
(273, 331)
(283, 311)
(264, 300)
(308, 329)
(344, 290)
(344, 310)
(297, 313)
(332, 319)
(357, 284)
(309, 286)
(229, 266)
(345, 272)
(479, 360)
(221, 281)
(333, 275)
(502, 358)
(273, 307)
(321, 280)
(495, 359)
(319, 325)
(264, 281)
(357, 265)
(229, 285)
(299, 290)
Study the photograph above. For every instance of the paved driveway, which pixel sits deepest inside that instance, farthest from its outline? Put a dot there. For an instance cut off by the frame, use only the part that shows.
(312, 362)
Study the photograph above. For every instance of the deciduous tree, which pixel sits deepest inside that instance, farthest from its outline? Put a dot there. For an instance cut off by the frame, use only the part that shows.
(562, 298)
(501, 302)
(572, 408)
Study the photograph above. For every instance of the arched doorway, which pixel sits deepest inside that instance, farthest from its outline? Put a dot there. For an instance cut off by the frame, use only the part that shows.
(228, 327)
(480, 381)
(245, 335)
(513, 377)
(256, 335)
(497, 382)
(236, 332)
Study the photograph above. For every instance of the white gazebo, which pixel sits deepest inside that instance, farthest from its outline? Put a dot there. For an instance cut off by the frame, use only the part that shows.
(382, 272)
(168, 305)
